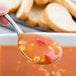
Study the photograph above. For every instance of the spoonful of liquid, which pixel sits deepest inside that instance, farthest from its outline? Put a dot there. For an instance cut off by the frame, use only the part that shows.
(37, 48)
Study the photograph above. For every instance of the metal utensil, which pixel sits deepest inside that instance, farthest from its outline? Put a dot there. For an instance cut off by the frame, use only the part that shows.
(12, 22)
(19, 31)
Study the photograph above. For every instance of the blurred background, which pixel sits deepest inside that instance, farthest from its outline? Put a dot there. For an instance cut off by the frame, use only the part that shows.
(23, 26)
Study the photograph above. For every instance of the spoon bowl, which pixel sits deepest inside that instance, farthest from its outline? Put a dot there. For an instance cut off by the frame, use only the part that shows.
(39, 49)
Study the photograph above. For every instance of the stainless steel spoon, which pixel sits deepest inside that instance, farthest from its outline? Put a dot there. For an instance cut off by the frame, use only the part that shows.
(12, 22)
(19, 31)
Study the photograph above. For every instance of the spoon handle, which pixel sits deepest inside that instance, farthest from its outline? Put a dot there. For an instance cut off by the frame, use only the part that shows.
(12, 22)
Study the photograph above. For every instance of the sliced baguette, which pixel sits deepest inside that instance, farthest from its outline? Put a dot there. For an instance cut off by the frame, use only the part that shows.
(24, 9)
(34, 15)
(59, 19)
(41, 2)
(42, 22)
(69, 5)
(13, 4)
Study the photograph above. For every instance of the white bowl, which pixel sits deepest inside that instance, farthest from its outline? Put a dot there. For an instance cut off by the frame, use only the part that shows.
(63, 39)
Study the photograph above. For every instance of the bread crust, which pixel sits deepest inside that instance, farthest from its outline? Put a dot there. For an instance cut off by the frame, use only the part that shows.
(51, 0)
(54, 26)
(42, 22)
(69, 5)
(34, 15)
(13, 6)
(24, 9)
(30, 22)
(41, 2)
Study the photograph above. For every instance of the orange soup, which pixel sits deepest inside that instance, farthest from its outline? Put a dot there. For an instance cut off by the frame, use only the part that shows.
(39, 49)
(12, 63)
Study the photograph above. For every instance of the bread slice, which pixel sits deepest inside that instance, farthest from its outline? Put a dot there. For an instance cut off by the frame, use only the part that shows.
(24, 9)
(34, 15)
(69, 5)
(41, 2)
(43, 23)
(13, 4)
(59, 19)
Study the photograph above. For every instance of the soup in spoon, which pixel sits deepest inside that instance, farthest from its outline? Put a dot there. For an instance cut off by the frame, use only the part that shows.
(39, 49)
